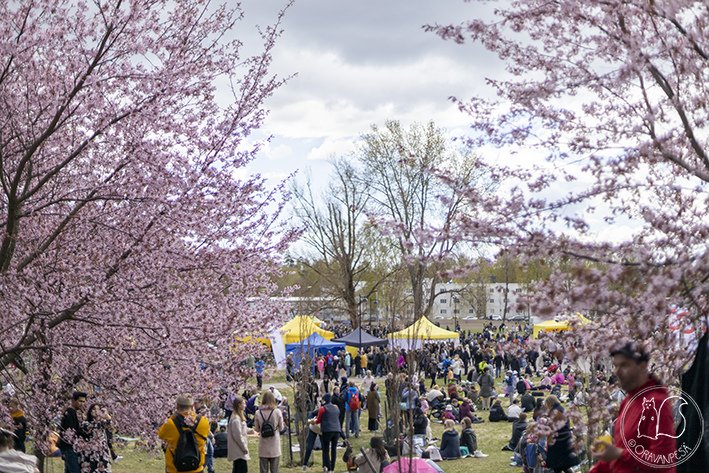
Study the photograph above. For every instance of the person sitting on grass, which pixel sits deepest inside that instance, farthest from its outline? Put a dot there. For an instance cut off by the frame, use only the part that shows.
(376, 453)
(450, 441)
(497, 413)
(448, 414)
(470, 440)
(518, 429)
(513, 411)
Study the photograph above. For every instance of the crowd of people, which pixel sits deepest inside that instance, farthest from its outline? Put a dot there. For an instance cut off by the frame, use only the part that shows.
(492, 376)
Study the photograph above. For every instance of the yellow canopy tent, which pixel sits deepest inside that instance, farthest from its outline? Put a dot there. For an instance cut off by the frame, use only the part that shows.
(300, 328)
(314, 319)
(582, 320)
(549, 326)
(264, 341)
(423, 329)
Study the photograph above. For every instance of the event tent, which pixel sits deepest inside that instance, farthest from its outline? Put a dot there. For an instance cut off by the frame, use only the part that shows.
(421, 331)
(549, 326)
(359, 338)
(314, 345)
(554, 326)
(301, 327)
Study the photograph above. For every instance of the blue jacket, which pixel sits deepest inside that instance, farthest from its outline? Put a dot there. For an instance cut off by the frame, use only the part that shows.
(353, 391)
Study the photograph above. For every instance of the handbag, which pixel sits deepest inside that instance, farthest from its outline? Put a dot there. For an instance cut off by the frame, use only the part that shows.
(316, 428)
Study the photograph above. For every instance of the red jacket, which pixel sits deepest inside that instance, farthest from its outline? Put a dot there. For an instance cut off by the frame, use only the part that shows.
(640, 422)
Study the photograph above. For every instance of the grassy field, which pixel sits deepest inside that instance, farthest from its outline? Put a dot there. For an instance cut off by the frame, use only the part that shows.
(491, 438)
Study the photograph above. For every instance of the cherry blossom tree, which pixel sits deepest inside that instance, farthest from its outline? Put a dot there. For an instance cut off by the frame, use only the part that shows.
(131, 252)
(613, 94)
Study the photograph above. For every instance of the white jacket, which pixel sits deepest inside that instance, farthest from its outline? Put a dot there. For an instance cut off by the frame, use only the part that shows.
(12, 461)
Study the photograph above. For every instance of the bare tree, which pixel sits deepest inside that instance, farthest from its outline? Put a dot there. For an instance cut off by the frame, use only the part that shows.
(401, 171)
(335, 229)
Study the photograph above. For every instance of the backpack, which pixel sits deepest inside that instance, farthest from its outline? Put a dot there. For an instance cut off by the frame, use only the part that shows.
(187, 455)
(354, 400)
(267, 429)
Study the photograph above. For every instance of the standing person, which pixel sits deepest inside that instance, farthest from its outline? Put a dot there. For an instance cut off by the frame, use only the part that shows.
(238, 442)
(457, 367)
(13, 461)
(376, 453)
(363, 363)
(373, 407)
(269, 446)
(329, 420)
(560, 454)
(70, 430)
(367, 382)
(260, 366)
(201, 409)
(630, 364)
(97, 458)
(497, 361)
(184, 418)
(348, 364)
(352, 409)
(321, 367)
(18, 418)
(486, 382)
(312, 437)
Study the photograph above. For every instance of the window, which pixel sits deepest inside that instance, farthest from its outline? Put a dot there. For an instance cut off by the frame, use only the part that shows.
(471, 311)
(491, 291)
(443, 311)
(492, 311)
(492, 301)
(443, 301)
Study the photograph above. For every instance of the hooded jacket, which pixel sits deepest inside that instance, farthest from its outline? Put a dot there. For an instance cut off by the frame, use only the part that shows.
(450, 444)
(631, 425)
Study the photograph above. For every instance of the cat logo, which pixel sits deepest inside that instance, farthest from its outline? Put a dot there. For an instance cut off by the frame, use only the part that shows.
(652, 425)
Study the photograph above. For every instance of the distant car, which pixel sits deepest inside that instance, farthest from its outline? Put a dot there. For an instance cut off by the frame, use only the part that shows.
(517, 318)
(495, 317)
(470, 317)
(438, 317)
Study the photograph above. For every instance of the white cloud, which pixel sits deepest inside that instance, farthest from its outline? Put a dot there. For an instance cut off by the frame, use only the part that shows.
(277, 152)
(331, 147)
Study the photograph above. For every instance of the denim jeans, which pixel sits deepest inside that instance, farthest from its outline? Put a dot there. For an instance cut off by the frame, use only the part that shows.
(71, 461)
(209, 456)
(352, 421)
(309, 445)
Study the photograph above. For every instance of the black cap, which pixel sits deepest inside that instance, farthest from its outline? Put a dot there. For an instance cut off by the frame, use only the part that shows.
(634, 351)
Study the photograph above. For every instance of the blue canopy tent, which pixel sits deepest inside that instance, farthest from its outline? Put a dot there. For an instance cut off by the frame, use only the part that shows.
(314, 345)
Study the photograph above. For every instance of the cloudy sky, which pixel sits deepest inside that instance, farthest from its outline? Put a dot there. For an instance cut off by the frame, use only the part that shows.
(359, 63)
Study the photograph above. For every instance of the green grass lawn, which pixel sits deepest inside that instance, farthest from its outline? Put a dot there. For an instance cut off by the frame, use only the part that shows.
(491, 438)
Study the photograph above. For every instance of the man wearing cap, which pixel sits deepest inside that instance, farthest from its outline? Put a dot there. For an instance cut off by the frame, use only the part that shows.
(645, 423)
(184, 413)
(277, 394)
